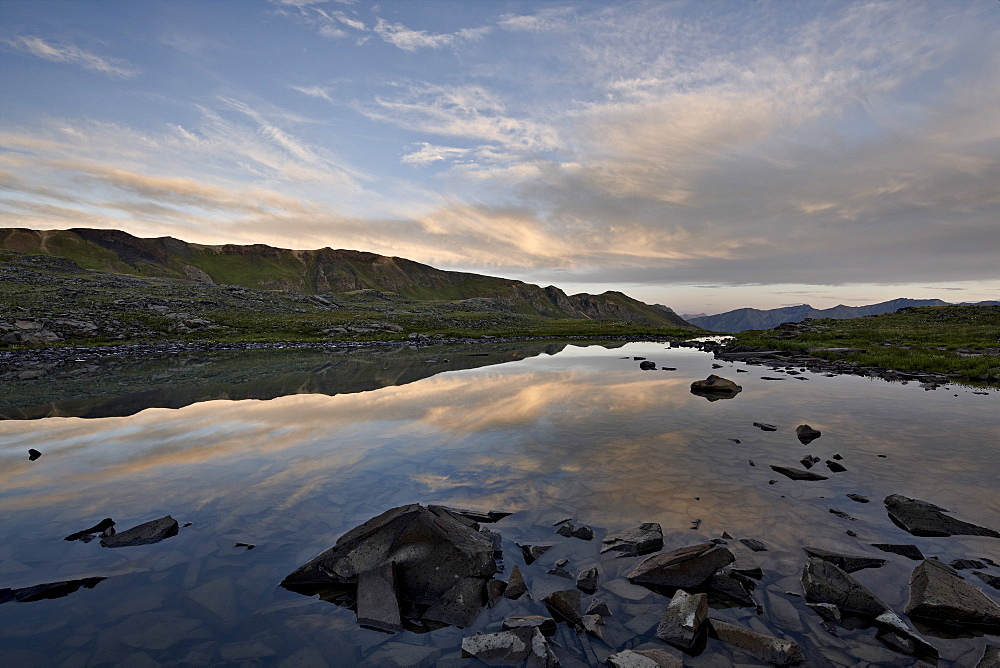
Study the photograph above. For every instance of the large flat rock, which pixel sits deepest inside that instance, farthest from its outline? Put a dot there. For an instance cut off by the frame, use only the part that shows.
(684, 567)
(144, 534)
(634, 541)
(777, 651)
(925, 519)
(938, 593)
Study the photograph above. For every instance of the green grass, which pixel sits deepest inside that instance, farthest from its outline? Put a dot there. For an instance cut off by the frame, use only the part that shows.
(929, 338)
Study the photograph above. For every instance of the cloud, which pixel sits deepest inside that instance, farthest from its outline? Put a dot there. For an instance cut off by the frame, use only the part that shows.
(315, 91)
(411, 40)
(428, 153)
(73, 55)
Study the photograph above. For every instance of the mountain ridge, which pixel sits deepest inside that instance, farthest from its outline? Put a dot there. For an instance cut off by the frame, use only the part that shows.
(740, 320)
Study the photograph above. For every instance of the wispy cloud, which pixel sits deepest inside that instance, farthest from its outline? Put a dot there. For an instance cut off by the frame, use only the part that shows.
(409, 39)
(70, 54)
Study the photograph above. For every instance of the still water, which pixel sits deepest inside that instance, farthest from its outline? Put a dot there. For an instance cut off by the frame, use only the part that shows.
(546, 433)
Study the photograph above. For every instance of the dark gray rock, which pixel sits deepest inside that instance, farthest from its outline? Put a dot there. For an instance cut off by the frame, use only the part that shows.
(566, 530)
(144, 534)
(104, 525)
(857, 497)
(598, 607)
(836, 467)
(516, 647)
(565, 605)
(587, 581)
(733, 586)
(807, 434)
(378, 607)
(635, 541)
(644, 658)
(745, 564)
(848, 563)
(715, 387)
(33, 454)
(908, 551)
(797, 474)
(475, 515)
(49, 590)
(646, 365)
(685, 567)
(532, 552)
(683, 618)
(965, 564)
(991, 580)
(769, 649)
(546, 625)
(925, 519)
(991, 657)
(441, 562)
(763, 426)
(495, 589)
(515, 585)
(939, 594)
(583, 532)
(754, 544)
(824, 582)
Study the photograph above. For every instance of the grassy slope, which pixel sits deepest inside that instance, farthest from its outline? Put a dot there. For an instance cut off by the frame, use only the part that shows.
(929, 338)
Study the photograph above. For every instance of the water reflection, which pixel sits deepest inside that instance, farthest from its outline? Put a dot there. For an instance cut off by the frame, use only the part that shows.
(580, 434)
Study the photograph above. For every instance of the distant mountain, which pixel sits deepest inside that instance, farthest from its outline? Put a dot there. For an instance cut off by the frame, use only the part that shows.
(750, 318)
(318, 272)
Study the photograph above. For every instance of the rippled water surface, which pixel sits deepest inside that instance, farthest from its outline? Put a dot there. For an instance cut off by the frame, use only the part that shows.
(564, 432)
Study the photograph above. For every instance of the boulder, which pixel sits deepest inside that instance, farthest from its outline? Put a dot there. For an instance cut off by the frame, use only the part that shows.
(143, 534)
(939, 594)
(440, 563)
(635, 541)
(683, 618)
(766, 648)
(646, 365)
(546, 625)
(377, 605)
(991, 657)
(644, 658)
(908, 551)
(836, 467)
(495, 589)
(511, 648)
(565, 605)
(991, 580)
(587, 581)
(763, 426)
(925, 519)
(733, 586)
(33, 454)
(685, 567)
(824, 582)
(797, 474)
(848, 563)
(807, 434)
(715, 387)
(515, 585)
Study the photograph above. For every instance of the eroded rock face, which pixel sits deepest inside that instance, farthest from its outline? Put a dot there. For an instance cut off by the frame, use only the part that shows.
(925, 519)
(440, 564)
(685, 567)
(939, 594)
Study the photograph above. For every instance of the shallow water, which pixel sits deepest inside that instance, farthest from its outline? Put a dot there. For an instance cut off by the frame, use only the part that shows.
(580, 433)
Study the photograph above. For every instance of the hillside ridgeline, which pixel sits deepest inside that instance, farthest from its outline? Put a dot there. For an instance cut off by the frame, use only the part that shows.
(743, 319)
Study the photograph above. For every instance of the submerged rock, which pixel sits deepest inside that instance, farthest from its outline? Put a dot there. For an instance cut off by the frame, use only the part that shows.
(991, 580)
(908, 551)
(546, 625)
(511, 648)
(925, 519)
(515, 585)
(769, 649)
(143, 534)
(105, 527)
(807, 434)
(635, 541)
(939, 594)
(715, 387)
(763, 426)
(683, 618)
(565, 605)
(848, 563)
(644, 658)
(440, 564)
(685, 567)
(532, 552)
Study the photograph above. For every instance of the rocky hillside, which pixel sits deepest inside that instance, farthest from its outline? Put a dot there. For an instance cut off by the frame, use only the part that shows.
(320, 272)
(745, 319)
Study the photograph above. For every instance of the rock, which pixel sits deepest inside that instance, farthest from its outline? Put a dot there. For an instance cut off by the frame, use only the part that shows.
(766, 648)
(733, 586)
(754, 544)
(715, 387)
(848, 563)
(560, 571)
(965, 564)
(991, 657)
(908, 551)
(683, 619)
(532, 552)
(515, 585)
(939, 594)
(858, 498)
(797, 474)
(763, 426)
(495, 589)
(824, 582)
(144, 534)
(685, 567)
(644, 658)
(925, 519)
(475, 515)
(991, 580)
(566, 530)
(378, 607)
(33, 454)
(48, 590)
(807, 434)
(511, 648)
(102, 526)
(440, 558)
(583, 533)
(546, 625)
(565, 605)
(745, 564)
(836, 467)
(635, 541)
(598, 607)
(587, 581)
(647, 365)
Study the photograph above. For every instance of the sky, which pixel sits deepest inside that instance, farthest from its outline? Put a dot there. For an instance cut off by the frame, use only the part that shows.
(706, 155)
